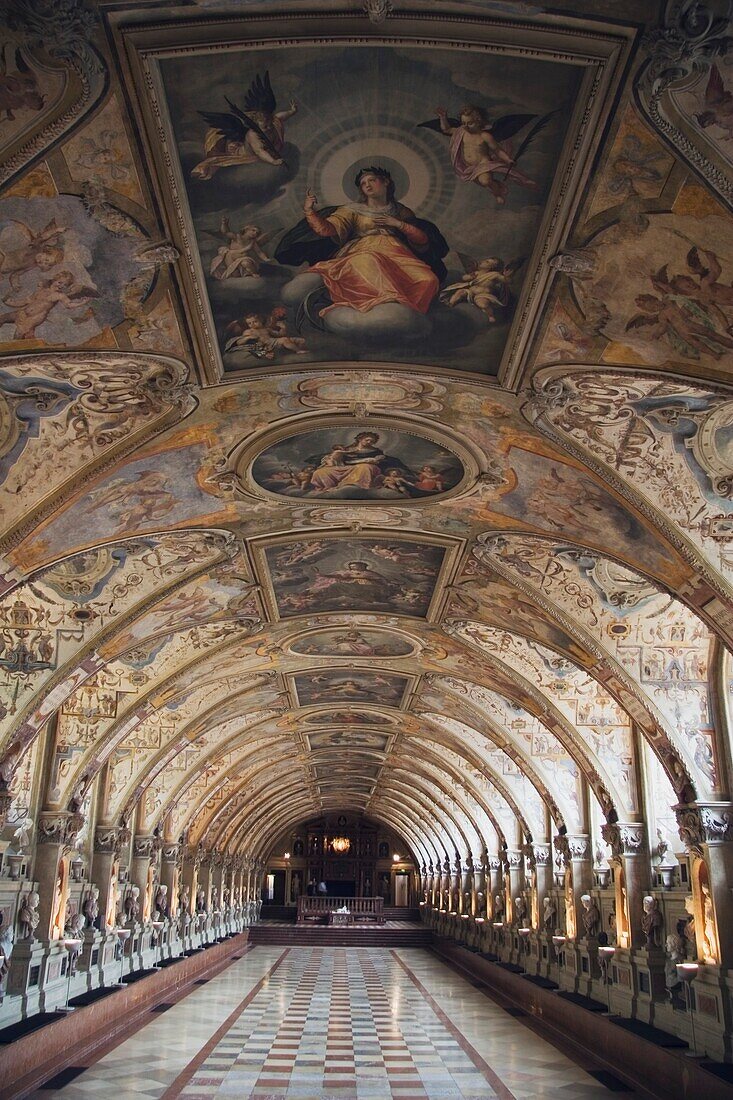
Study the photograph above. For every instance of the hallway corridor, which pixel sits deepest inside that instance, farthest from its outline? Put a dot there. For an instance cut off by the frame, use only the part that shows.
(351, 1024)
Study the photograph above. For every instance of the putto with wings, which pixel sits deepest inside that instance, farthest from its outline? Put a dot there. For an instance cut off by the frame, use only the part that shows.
(480, 148)
(255, 134)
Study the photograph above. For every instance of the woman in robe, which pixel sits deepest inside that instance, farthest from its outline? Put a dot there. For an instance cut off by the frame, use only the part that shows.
(360, 464)
(371, 251)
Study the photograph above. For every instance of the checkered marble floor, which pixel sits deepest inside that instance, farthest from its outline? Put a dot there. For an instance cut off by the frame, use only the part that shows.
(337, 1023)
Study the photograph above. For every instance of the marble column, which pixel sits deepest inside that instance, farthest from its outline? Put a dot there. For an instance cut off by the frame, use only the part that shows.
(109, 840)
(629, 851)
(496, 884)
(515, 864)
(707, 832)
(56, 835)
(580, 858)
(542, 855)
(170, 855)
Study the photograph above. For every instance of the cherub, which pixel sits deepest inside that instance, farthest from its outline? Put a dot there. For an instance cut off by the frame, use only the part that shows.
(255, 134)
(718, 104)
(43, 249)
(486, 285)
(430, 480)
(19, 90)
(263, 337)
(242, 255)
(103, 156)
(30, 312)
(335, 456)
(397, 482)
(480, 149)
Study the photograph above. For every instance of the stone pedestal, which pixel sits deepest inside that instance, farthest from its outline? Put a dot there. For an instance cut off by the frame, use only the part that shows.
(26, 971)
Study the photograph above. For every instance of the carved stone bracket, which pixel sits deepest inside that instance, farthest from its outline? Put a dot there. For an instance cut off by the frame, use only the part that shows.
(704, 824)
(561, 846)
(111, 839)
(624, 838)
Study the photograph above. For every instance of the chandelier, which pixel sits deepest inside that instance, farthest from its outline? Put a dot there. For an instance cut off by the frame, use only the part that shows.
(341, 844)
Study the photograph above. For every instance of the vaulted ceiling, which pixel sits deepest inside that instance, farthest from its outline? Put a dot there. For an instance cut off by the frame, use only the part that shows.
(439, 531)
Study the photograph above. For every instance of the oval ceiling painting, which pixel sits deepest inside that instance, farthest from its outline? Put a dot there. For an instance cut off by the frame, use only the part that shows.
(358, 463)
(351, 642)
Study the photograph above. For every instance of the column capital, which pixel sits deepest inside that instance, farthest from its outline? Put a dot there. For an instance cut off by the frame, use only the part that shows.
(705, 823)
(111, 839)
(541, 854)
(624, 838)
(146, 847)
(514, 858)
(494, 863)
(59, 828)
(579, 847)
(171, 852)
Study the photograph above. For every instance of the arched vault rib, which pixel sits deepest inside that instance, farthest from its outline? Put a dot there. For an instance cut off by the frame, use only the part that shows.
(246, 772)
(635, 430)
(657, 648)
(85, 659)
(243, 829)
(462, 747)
(462, 779)
(152, 768)
(611, 800)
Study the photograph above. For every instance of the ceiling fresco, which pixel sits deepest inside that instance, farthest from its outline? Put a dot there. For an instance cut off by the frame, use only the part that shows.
(352, 685)
(289, 232)
(361, 464)
(410, 495)
(363, 574)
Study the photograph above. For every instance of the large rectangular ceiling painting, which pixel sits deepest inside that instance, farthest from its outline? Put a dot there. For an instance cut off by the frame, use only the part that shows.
(304, 257)
(314, 576)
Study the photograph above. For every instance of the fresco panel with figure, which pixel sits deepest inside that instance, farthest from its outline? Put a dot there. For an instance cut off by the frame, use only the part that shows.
(335, 221)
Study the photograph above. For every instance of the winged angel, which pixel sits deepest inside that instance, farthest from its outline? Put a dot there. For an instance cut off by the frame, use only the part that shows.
(255, 134)
(480, 149)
